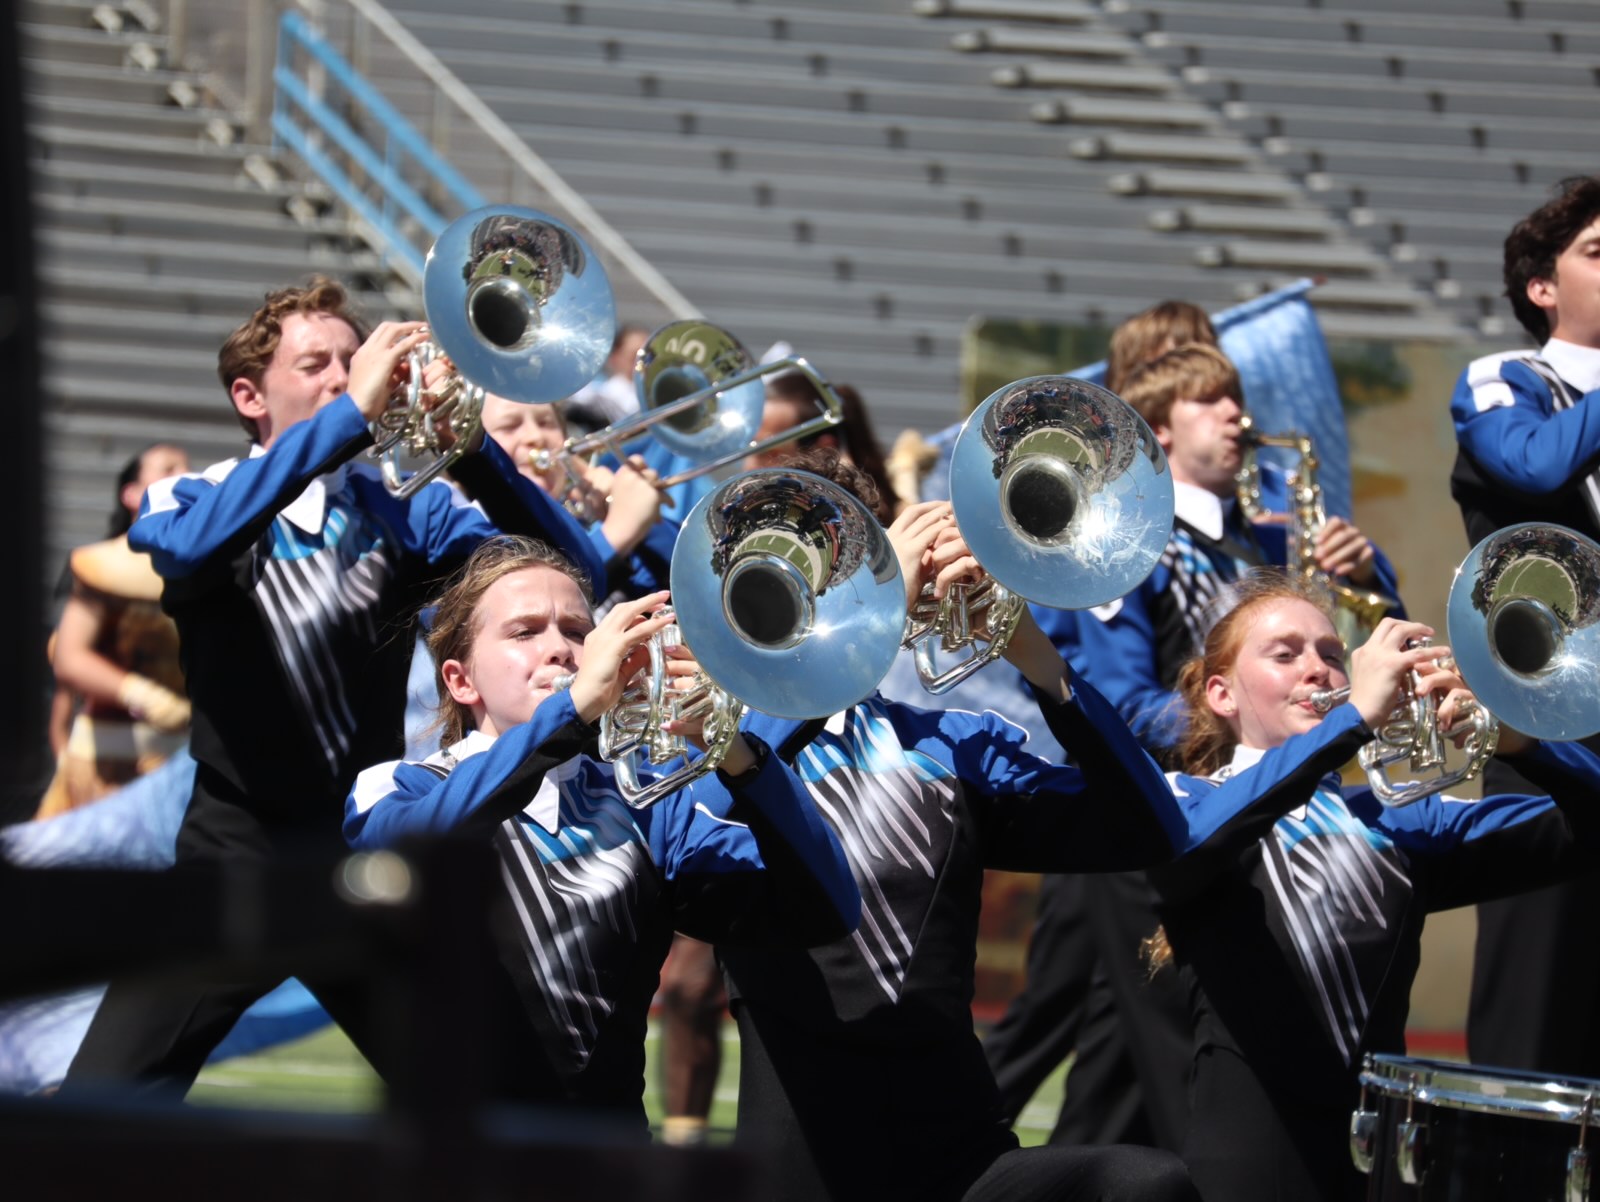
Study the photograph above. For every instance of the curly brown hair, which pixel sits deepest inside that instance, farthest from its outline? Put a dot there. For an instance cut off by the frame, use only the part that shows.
(1535, 242)
(249, 349)
(835, 468)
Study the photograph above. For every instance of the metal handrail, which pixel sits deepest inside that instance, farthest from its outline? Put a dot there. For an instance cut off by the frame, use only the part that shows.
(400, 202)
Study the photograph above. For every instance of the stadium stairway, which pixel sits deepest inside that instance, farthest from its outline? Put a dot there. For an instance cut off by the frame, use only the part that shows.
(158, 228)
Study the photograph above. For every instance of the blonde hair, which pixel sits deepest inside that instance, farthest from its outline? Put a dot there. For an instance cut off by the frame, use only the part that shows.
(1194, 371)
(456, 622)
(1154, 332)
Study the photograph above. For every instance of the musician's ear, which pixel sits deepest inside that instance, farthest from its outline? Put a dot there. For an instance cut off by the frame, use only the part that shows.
(1542, 292)
(458, 682)
(1219, 696)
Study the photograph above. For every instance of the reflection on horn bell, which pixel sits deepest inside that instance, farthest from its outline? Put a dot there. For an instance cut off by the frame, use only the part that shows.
(1524, 622)
(788, 596)
(1061, 491)
(1063, 496)
(701, 396)
(521, 308)
(789, 593)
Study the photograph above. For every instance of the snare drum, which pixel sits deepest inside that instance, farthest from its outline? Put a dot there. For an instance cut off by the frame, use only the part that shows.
(1429, 1130)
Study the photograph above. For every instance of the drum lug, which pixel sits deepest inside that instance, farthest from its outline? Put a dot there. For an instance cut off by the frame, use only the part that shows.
(1363, 1138)
(1412, 1151)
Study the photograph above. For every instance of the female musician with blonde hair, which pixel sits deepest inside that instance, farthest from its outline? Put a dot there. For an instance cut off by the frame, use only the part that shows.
(594, 889)
(1295, 918)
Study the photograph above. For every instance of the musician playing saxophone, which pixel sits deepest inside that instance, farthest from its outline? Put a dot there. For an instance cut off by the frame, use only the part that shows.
(1133, 647)
(1132, 650)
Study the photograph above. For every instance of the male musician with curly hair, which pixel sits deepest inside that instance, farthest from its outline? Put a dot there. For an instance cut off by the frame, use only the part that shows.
(1528, 434)
(291, 573)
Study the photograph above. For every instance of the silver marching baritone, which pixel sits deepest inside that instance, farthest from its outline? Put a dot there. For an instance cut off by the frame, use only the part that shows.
(1063, 495)
(521, 308)
(1359, 610)
(700, 396)
(1410, 733)
(1524, 623)
(789, 597)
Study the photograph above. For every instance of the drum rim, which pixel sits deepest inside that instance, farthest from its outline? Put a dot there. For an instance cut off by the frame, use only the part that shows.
(1461, 1087)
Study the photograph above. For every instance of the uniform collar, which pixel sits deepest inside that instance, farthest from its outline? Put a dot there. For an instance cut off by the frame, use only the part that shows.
(545, 808)
(309, 510)
(1577, 365)
(1202, 509)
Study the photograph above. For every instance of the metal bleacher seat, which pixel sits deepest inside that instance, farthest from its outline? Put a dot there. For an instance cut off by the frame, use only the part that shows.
(139, 172)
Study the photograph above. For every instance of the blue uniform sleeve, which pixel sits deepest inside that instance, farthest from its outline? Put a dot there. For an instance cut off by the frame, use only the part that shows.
(750, 858)
(404, 800)
(1224, 818)
(1506, 421)
(1109, 811)
(187, 521)
(514, 504)
(1116, 652)
(1507, 843)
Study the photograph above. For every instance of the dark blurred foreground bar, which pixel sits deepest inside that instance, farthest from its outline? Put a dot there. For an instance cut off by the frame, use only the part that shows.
(413, 924)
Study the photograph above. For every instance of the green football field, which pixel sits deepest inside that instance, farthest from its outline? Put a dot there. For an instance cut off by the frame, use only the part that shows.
(323, 1072)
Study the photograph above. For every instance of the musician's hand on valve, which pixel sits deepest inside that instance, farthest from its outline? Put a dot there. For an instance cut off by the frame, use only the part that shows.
(1342, 550)
(1382, 664)
(616, 651)
(683, 675)
(912, 535)
(378, 367)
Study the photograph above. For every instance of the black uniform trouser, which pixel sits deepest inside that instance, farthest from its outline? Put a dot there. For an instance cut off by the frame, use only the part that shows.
(1535, 976)
(155, 1037)
(1088, 987)
(1042, 1024)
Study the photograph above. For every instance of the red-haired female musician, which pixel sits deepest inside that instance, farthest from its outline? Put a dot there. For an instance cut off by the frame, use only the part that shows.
(1296, 916)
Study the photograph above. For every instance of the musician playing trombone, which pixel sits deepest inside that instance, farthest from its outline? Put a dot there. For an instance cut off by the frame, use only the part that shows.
(289, 571)
(860, 1073)
(594, 889)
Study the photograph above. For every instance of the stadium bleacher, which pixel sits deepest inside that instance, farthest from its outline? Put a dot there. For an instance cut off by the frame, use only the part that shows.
(857, 177)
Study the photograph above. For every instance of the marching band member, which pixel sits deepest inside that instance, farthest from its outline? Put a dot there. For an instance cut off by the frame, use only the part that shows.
(860, 1073)
(624, 506)
(1295, 919)
(1133, 1048)
(288, 572)
(596, 887)
(1527, 454)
